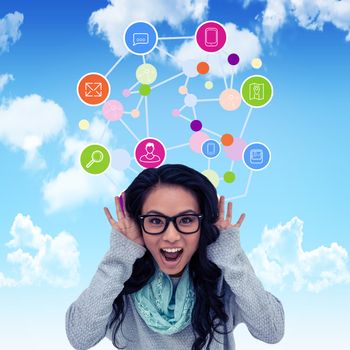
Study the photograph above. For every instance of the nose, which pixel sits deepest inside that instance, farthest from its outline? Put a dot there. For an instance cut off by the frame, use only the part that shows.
(171, 234)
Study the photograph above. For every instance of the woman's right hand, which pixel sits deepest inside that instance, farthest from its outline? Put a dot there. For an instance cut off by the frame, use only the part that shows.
(125, 224)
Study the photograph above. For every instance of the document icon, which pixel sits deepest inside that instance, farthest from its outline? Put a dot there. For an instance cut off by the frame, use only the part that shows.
(256, 91)
(93, 89)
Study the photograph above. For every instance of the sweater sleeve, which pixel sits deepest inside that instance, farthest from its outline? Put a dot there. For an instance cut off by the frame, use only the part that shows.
(258, 309)
(88, 316)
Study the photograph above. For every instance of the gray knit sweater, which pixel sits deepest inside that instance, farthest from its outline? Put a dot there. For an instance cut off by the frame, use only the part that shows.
(88, 318)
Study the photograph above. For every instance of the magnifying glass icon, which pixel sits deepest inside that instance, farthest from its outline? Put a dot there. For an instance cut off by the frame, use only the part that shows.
(96, 157)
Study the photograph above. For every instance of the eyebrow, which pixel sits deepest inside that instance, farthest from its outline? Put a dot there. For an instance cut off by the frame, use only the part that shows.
(188, 211)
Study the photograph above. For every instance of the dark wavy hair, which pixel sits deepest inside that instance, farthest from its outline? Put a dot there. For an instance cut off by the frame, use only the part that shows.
(208, 312)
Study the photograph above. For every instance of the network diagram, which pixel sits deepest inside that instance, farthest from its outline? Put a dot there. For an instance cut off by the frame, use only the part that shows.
(141, 38)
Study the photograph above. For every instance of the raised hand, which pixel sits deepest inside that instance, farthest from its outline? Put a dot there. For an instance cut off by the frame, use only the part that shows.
(125, 224)
(223, 223)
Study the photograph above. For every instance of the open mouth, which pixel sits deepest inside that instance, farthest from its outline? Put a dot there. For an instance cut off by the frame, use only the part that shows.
(171, 256)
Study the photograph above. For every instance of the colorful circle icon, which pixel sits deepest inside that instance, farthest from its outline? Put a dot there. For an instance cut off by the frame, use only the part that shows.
(211, 36)
(112, 110)
(95, 159)
(256, 91)
(256, 156)
(211, 148)
(93, 89)
(146, 73)
(150, 153)
(140, 38)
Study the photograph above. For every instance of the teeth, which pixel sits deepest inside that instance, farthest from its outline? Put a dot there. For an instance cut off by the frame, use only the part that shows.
(172, 250)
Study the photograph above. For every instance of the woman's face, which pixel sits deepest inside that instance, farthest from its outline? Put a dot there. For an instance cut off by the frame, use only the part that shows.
(170, 201)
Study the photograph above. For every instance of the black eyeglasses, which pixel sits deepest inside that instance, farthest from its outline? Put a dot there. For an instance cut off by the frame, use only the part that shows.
(155, 224)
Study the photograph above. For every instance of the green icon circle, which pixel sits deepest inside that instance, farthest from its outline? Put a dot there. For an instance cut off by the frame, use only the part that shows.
(229, 176)
(95, 159)
(144, 90)
(256, 91)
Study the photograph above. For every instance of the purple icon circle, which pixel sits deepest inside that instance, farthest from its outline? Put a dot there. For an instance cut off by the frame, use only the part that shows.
(211, 36)
(196, 125)
(233, 59)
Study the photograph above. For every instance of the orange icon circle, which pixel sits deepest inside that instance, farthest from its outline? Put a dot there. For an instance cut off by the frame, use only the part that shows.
(202, 67)
(227, 139)
(93, 89)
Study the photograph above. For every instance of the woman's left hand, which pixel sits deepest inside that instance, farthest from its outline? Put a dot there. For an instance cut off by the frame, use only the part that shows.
(223, 223)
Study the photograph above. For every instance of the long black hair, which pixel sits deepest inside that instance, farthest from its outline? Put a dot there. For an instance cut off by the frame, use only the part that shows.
(208, 312)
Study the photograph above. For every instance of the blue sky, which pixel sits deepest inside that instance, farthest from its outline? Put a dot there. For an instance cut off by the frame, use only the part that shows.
(296, 230)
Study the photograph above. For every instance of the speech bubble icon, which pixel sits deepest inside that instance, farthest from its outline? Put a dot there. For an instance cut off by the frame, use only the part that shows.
(140, 39)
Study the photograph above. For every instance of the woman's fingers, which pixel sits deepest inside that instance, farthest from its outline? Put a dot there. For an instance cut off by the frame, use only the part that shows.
(222, 208)
(240, 220)
(229, 212)
(109, 216)
(118, 208)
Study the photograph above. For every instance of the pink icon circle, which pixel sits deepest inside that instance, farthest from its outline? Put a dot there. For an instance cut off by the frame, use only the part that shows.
(211, 36)
(112, 110)
(126, 92)
(176, 112)
(235, 151)
(150, 153)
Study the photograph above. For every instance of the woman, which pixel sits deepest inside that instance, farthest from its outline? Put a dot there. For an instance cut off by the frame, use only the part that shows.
(175, 276)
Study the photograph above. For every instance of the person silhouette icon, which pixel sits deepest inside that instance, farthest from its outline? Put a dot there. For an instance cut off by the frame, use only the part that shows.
(149, 157)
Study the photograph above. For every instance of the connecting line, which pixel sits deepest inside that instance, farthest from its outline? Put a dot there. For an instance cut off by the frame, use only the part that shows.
(109, 178)
(212, 132)
(146, 112)
(167, 80)
(178, 146)
(132, 169)
(186, 81)
(246, 121)
(166, 52)
(133, 87)
(232, 164)
(209, 163)
(246, 188)
(130, 131)
(194, 112)
(208, 100)
(182, 108)
(176, 38)
(140, 101)
(104, 130)
(115, 64)
(144, 59)
(134, 92)
(183, 117)
(231, 81)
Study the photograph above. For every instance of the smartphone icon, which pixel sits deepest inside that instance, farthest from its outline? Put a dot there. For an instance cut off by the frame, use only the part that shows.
(211, 37)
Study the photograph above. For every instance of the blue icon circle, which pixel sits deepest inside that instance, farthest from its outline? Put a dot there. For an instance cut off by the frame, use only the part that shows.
(256, 156)
(140, 38)
(211, 148)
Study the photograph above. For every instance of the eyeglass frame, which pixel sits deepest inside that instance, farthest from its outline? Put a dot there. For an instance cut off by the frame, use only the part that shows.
(169, 219)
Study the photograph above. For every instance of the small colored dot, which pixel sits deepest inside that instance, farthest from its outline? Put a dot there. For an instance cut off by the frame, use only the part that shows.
(183, 90)
(190, 100)
(256, 63)
(135, 113)
(208, 85)
(227, 139)
(229, 176)
(176, 112)
(196, 125)
(84, 124)
(202, 67)
(144, 90)
(233, 59)
(126, 93)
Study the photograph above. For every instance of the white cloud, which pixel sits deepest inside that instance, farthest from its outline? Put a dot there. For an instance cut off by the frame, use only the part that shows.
(28, 122)
(4, 79)
(112, 20)
(9, 30)
(73, 186)
(309, 14)
(280, 257)
(242, 42)
(55, 261)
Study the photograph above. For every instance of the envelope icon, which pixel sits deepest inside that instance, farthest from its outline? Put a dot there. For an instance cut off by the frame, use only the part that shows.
(93, 89)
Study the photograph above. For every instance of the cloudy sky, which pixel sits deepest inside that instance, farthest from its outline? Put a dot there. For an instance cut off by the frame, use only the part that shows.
(53, 231)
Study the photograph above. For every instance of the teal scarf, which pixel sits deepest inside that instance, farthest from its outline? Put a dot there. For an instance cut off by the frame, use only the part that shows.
(163, 310)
